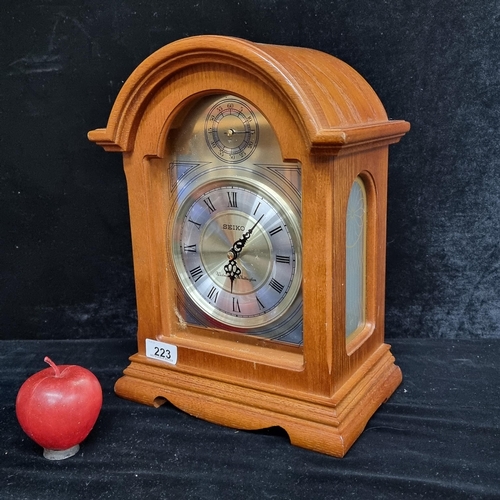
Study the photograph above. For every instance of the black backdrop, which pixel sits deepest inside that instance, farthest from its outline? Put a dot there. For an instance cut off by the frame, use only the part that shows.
(66, 265)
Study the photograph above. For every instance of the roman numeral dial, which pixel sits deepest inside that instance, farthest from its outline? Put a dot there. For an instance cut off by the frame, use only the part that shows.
(237, 253)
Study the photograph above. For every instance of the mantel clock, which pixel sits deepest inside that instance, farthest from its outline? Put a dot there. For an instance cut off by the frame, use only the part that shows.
(257, 182)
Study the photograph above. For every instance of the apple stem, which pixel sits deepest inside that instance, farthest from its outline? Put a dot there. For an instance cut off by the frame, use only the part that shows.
(53, 365)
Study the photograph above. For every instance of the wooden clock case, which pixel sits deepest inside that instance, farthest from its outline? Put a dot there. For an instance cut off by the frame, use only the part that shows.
(326, 116)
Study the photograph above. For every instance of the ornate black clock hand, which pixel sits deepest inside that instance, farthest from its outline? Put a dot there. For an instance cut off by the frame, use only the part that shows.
(238, 246)
(231, 268)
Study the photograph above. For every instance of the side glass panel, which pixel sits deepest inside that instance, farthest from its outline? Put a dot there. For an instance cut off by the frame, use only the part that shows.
(355, 259)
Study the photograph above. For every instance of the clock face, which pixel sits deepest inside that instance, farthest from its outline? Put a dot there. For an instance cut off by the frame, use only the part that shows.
(236, 230)
(236, 253)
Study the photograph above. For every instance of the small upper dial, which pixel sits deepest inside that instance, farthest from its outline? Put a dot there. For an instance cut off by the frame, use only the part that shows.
(231, 130)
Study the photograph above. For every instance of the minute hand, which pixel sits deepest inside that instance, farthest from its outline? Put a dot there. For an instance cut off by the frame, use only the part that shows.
(238, 246)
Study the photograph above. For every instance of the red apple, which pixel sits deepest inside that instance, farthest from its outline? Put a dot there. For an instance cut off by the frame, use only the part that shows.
(59, 406)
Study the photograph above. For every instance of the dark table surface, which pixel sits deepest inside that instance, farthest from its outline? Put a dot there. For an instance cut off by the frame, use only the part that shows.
(437, 437)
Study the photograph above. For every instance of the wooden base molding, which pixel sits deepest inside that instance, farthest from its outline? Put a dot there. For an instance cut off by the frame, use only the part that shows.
(326, 425)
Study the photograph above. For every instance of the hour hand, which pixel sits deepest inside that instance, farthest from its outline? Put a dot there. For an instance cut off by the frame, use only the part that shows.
(232, 271)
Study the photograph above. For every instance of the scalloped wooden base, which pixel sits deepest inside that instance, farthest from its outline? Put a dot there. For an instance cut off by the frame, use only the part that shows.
(326, 425)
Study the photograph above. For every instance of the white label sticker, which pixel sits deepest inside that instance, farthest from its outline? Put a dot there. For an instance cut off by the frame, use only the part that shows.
(161, 351)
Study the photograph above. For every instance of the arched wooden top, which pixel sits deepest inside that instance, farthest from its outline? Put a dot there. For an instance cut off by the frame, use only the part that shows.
(332, 103)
